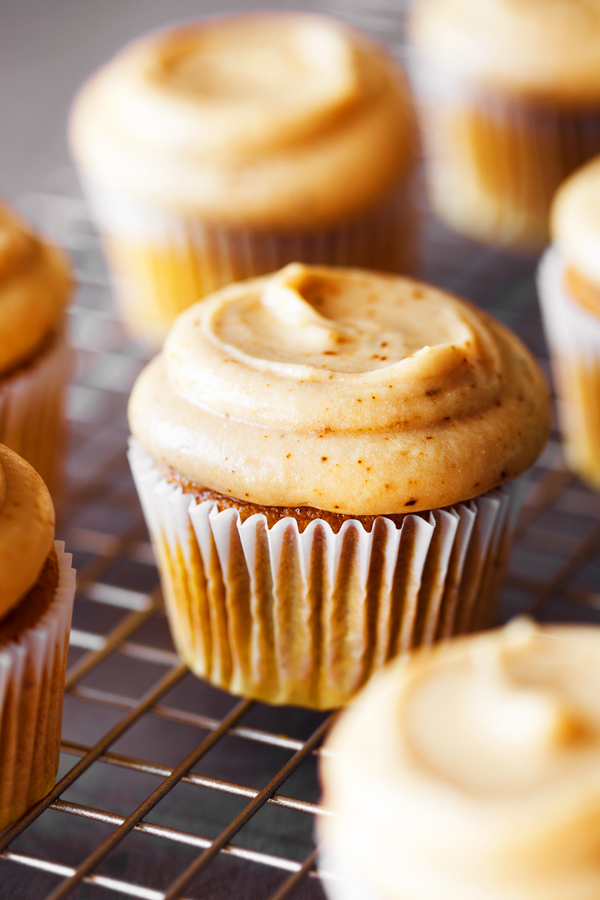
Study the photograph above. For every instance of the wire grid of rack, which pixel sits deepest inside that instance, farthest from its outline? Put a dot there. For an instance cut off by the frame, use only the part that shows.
(167, 787)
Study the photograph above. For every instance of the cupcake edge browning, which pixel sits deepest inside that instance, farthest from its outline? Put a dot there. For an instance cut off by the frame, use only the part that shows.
(303, 515)
(30, 609)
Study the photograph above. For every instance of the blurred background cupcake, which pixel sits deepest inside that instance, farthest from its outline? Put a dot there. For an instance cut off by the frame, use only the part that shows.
(470, 771)
(37, 586)
(328, 461)
(35, 287)
(510, 107)
(225, 148)
(569, 291)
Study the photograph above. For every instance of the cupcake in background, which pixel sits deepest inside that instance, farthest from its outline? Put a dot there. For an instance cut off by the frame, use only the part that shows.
(569, 292)
(226, 148)
(329, 464)
(470, 771)
(510, 107)
(35, 287)
(37, 586)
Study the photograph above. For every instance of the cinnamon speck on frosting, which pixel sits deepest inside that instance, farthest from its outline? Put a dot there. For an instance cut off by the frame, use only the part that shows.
(280, 339)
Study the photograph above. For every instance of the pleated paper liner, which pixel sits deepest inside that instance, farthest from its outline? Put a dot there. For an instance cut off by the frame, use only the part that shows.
(162, 262)
(32, 675)
(305, 618)
(573, 335)
(494, 162)
(32, 410)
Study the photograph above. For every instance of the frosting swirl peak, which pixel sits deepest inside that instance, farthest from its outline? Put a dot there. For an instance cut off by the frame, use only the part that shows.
(474, 770)
(284, 111)
(344, 390)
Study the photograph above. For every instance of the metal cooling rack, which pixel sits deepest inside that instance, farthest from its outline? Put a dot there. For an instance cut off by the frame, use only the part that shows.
(167, 787)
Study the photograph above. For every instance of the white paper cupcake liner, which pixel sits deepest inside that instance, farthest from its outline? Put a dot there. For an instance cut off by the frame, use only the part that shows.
(568, 326)
(573, 335)
(32, 419)
(162, 261)
(305, 618)
(32, 673)
(494, 161)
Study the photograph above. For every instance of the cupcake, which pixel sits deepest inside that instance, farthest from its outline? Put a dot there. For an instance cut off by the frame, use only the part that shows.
(37, 587)
(35, 287)
(569, 292)
(328, 461)
(470, 771)
(511, 106)
(226, 148)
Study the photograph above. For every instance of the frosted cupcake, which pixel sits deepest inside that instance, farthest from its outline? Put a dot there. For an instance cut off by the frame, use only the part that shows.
(326, 459)
(37, 585)
(569, 291)
(35, 287)
(471, 771)
(225, 148)
(511, 106)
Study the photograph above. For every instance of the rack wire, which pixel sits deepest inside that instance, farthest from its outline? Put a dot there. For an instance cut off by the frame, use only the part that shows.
(169, 788)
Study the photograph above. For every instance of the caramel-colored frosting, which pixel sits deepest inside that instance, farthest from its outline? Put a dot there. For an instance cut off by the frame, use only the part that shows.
(575, 221)
(544, 49)
(473, 771)
(264, 119)
(34, 287)
(26, 528)
(341, 389)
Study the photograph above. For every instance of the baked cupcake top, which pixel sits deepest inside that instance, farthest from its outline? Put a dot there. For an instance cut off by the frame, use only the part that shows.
(473, 770)
(264, 119)
(341, 389)
(540, 49)
(26, 528)
(34, 287)
(575, 221)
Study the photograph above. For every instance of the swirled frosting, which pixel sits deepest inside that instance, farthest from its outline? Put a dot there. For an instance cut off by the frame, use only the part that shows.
(473, 771)
(344, 390)
(34, 286)
(545, 50)
(26, 528)
(575, 221)
(264, 119)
